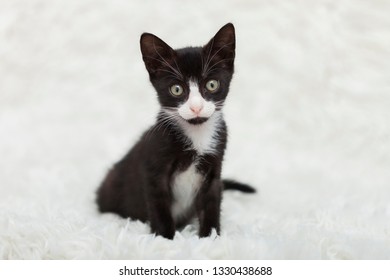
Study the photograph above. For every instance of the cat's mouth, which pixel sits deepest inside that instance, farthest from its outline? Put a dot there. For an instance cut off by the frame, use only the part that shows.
(197, 120)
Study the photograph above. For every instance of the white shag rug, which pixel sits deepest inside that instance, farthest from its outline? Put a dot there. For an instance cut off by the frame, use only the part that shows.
(308, 115)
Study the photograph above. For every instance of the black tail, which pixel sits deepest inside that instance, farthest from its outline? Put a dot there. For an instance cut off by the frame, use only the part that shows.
(233, 185)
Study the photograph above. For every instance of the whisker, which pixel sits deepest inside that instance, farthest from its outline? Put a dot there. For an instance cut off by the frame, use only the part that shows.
(178, 69)
(221, 48)
(208, 56)
(210, 69)
(174, 72)
(219, 104)
(164, 120)
(166, 63)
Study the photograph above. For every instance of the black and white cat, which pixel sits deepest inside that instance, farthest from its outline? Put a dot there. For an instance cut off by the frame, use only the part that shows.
(173, 173)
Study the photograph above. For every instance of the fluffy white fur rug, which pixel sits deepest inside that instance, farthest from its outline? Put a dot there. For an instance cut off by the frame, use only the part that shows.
(308, 115)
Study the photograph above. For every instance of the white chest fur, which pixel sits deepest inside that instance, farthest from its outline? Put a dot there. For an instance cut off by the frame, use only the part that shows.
(204, 137)
(184, 188)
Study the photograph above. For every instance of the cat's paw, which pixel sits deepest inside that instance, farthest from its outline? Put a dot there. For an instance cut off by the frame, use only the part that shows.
(164, 231)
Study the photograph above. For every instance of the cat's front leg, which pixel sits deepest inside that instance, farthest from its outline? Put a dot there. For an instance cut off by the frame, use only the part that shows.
(160, 215)
(209, 207)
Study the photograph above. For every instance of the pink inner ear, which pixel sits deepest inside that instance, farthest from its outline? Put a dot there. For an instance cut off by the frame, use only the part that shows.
(226, 35)
(224, 39)
(156, 53)
(220, 51)
(152, 46)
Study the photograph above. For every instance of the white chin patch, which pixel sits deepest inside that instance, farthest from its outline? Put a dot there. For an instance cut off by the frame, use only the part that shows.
(196, 106)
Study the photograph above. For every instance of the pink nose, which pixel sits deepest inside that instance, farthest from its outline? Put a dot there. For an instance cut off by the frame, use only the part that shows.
(196, 109)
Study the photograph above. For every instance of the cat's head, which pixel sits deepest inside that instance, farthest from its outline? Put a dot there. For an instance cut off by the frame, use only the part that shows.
(192, 83)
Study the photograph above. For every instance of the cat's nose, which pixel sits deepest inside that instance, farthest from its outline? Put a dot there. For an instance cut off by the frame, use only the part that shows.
(196, 104)
(196, 108)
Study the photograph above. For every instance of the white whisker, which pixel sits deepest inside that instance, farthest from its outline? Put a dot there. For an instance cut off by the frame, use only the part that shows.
(177, 71)
(212, 67)
(210, 59)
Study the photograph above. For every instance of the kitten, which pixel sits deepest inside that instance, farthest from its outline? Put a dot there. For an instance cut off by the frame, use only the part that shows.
(173, 173)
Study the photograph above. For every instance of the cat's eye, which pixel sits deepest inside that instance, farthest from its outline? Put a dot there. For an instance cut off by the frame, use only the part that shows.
(212, 85)
(176, 90)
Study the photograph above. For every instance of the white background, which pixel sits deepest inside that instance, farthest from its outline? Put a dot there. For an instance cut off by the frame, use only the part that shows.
(308, 117)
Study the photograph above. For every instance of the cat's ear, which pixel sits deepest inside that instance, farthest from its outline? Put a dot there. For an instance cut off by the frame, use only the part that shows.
(156, 53)
(221, 48)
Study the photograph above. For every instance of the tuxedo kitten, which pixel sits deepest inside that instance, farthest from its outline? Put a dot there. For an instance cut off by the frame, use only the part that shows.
(173, 173)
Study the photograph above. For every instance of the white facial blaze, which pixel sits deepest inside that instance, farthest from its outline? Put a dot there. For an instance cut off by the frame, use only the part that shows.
(203, 137)
(196, 106)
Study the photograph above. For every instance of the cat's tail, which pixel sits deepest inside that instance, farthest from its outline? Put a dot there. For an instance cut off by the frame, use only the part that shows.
(233, 185)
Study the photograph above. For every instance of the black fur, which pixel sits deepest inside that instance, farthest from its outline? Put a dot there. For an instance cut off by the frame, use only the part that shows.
(233, 185)
(139, 186)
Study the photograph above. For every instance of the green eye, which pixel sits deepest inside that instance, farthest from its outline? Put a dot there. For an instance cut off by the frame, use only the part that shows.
(176, 90)
(212, 85)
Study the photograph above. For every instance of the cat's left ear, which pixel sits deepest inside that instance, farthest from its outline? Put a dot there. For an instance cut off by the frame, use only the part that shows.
(156, 54)
(221, 48)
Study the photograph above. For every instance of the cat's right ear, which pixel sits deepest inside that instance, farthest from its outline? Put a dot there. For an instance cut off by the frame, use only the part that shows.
(220, 51)
(156, 54)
